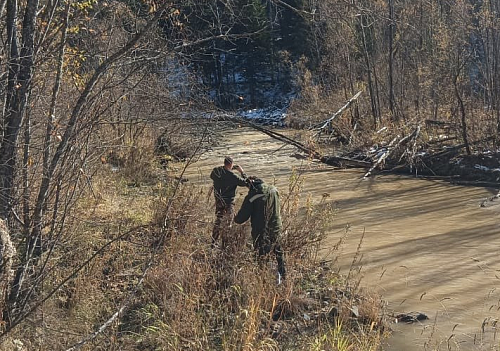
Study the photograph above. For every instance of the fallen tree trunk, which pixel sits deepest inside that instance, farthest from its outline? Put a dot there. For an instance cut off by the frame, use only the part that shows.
(381, 158)
(387, 157)
(344, 162)
(321, 126)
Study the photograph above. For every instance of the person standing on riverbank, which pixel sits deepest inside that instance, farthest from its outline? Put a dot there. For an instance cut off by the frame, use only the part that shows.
(225, 184)
(262, 207)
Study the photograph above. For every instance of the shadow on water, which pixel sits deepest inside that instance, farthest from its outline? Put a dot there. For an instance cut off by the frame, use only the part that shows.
(427, 247)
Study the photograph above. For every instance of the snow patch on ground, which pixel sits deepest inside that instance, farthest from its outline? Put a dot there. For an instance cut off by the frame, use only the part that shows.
(480, 167)
(274, 117)
(486, 169)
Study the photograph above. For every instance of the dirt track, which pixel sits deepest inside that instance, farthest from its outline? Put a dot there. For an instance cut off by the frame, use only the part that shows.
(428, 246)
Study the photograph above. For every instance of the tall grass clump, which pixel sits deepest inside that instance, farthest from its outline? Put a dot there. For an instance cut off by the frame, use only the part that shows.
(202, 298)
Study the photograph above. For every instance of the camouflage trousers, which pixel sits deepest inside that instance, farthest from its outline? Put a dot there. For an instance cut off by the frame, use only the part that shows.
(224, 214)
(263, 247)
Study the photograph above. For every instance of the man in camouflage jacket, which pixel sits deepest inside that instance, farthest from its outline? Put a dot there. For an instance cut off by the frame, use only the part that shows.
(225, 184)
(262, 207)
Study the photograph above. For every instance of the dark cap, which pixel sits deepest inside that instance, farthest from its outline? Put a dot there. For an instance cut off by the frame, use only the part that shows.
(252, 181)
(228, 160)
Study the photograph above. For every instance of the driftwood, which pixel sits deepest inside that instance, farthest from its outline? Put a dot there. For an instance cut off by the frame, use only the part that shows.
(278, 136)
(391, 148)
(344, 162)
(443, 140)
(321, 126)
(490, 199)
(381, 158)
(434, 122)
(411, 317)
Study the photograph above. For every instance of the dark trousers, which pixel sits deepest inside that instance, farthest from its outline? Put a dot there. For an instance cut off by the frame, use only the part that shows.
(264, 246)
(224, 216)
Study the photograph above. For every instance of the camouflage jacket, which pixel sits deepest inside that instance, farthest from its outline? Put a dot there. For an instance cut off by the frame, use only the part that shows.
(225, 184)
(262, 206)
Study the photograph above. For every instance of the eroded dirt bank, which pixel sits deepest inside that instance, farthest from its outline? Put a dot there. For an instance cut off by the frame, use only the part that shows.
(427, 245)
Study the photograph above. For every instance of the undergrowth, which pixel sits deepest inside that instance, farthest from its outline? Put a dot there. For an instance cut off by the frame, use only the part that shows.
(149, 250)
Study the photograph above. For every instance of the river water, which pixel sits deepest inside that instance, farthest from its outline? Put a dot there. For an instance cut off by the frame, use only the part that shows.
(426, 245)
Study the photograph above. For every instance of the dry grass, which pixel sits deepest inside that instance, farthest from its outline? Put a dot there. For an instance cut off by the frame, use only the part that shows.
(197, 298)
(194, 297)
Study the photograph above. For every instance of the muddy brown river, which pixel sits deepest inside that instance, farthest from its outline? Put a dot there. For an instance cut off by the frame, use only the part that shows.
(427, 245)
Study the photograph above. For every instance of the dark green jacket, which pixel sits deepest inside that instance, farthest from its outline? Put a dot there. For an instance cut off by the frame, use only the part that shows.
(225, 184)
(262, 206)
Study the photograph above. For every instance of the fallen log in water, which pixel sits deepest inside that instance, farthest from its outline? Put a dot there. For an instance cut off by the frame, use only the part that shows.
(489, 200)
(344, 162)
(456, 148)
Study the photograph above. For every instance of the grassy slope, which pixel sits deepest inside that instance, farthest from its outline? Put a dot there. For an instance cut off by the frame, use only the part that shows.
(194, 297)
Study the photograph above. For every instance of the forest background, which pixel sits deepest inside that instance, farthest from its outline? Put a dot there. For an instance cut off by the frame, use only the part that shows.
(83, 83)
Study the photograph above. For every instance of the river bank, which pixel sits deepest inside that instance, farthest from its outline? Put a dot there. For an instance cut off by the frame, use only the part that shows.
(427, 245)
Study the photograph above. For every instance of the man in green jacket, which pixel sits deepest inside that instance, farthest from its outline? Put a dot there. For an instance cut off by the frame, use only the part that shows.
(225, 184)
(262, 207)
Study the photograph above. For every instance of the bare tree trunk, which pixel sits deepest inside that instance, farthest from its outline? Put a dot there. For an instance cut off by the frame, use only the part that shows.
(2, 6)
(52, 110)
(464, 121)
(18, 94)
(33, 248)
(355, 116)
(494, 65)
(252, 82)
(321, 126)
(377, 90)
(369, 71)
(461, 107)
(391, 59)
(25, 175)
(7, 253)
